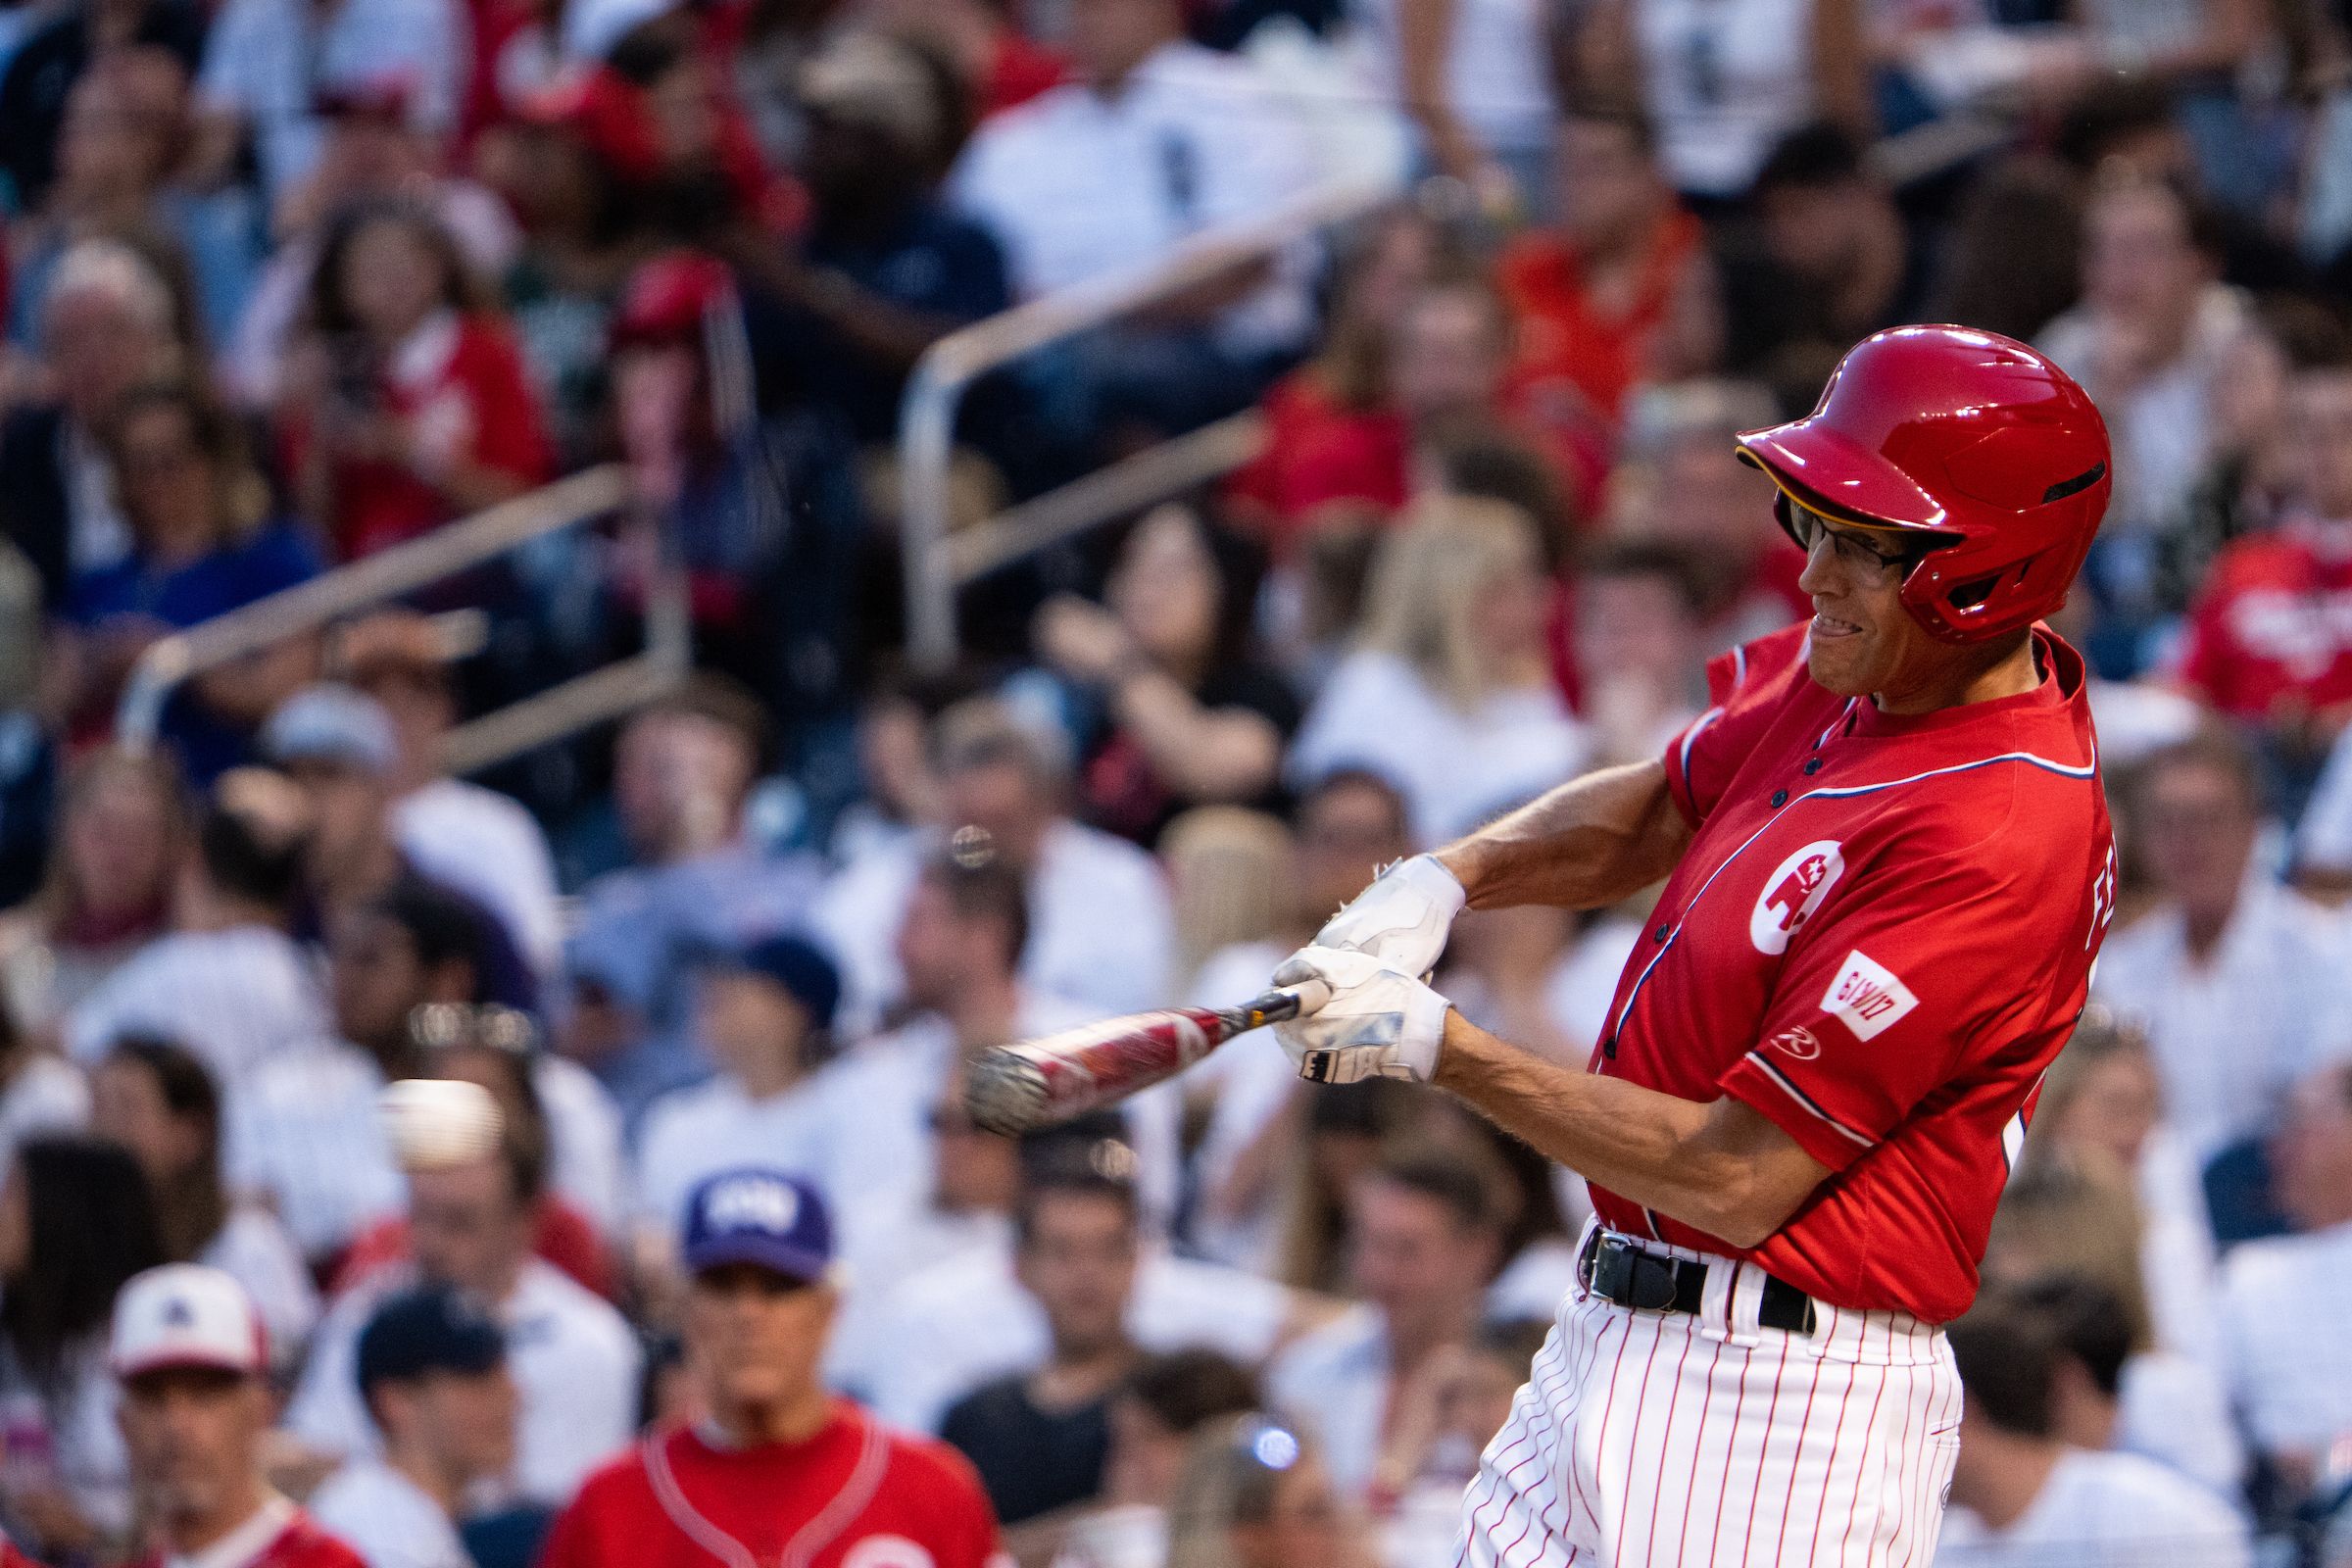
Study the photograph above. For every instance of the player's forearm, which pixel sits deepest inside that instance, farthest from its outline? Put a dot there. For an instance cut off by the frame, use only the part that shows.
(1582, 845)
(1703, 1165)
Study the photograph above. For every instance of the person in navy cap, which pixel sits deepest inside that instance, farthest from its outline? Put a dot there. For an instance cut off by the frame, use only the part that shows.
(778, 1468)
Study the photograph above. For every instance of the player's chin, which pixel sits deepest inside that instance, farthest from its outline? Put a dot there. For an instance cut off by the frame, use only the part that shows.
(1842, 660)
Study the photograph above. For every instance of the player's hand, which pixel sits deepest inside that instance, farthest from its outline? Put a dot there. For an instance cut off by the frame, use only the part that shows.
(1378, 1023)
(1403, 919)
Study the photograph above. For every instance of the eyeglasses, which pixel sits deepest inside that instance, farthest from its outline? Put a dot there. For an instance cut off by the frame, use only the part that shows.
(1853, 550)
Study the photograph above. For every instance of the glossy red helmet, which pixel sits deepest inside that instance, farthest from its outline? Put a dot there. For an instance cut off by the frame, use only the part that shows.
(1971, 438)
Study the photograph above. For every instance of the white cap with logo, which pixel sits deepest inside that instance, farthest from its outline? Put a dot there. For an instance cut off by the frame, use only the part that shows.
(186, 1314)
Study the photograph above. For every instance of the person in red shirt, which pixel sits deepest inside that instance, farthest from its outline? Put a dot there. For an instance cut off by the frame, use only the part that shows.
(1888, 868)
(411, 406)
(780, 1470)
(196, 1405)
(2269, 637)
(1620, 292)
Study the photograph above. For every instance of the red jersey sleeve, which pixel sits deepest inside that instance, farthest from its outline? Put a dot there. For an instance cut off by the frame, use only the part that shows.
(1741, 686)
(1879, 1002)
(593, 1526)
(964, 1520)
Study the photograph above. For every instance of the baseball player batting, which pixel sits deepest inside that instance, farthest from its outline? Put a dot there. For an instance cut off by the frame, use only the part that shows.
(1887, 870)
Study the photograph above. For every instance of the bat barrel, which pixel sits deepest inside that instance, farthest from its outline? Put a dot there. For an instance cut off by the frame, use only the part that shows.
(1005, 1092)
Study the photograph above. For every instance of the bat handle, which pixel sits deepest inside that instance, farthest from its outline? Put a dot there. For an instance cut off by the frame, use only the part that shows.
(1300, 1001)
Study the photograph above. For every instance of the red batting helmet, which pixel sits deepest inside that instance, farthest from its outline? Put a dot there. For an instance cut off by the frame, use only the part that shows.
(1970, 439)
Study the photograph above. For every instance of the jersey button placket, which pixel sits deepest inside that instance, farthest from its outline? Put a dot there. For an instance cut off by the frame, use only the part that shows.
(1812, 766)
(1780, 798)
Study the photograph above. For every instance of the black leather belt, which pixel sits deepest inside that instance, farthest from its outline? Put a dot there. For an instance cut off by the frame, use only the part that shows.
(1628, 1274)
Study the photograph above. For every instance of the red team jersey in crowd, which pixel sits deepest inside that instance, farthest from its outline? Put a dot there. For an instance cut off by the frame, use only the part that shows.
(1879, 938)
(856, 1495)
(2274, 623)
(299, 1544)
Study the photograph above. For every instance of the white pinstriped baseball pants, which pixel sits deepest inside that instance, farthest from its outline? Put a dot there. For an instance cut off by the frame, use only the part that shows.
(1644, 1439)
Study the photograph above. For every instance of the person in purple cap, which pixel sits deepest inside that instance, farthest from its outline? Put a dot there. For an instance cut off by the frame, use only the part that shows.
(778, 1469)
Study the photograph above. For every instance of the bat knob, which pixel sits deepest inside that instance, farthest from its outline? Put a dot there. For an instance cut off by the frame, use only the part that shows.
(1004, 1093)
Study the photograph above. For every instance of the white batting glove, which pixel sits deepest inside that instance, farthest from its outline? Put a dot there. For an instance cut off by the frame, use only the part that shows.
(1378, 1023)
(1403, 919)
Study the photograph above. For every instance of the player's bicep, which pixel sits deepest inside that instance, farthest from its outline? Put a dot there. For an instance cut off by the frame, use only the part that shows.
(1872, 1012)
(1779, 1172)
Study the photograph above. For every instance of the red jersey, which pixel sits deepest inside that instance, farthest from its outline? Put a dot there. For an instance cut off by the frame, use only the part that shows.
(1568, 346)
(1879, 938)
(301, 1544)
(2273, 628)
(856, 1495)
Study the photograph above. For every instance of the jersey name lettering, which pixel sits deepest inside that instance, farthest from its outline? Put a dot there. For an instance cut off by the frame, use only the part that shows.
(1866, 997)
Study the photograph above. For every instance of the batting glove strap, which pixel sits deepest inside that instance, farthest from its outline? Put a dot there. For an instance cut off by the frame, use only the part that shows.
(1378, 1023)
(1403, 919)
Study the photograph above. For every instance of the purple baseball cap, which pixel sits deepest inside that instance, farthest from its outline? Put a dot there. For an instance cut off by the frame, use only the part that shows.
(757, 1216)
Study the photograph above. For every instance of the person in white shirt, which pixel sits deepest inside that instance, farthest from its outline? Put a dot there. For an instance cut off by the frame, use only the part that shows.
(476, 840)
(1168, 1400)
(228, 982)
(575, 1362)
(2284, 1353)
(155, 1099)
(432, 1372)
(959, 948)
(1100, 928)
(765, 1013)
(2022, 1498)
(1424, 1242)
(1449, 693)
(194, 1412)
(2234, 980)
(1160, 141)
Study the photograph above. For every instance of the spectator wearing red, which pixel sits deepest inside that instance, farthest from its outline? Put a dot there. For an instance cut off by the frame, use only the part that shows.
(781, 1467)
(1001, 65)
(411, 408)
(2270, 638)
(1619, 291)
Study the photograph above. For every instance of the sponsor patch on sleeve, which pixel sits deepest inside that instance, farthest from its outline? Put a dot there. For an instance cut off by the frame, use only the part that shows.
(1867, 995)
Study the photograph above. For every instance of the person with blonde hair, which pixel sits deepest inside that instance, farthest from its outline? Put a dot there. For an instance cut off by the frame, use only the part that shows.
(1448, 692)
(1254, 1495)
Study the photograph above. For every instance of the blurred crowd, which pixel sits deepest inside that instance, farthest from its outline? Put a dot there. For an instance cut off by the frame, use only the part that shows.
(361, 1124)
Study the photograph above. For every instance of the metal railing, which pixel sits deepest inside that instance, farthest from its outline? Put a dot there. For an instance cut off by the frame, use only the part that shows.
(171, 662)
(937, 564)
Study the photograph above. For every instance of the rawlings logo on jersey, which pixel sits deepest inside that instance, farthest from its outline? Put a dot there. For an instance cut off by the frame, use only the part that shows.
(1867, 995)
(1792, 892)
(1800, 1043)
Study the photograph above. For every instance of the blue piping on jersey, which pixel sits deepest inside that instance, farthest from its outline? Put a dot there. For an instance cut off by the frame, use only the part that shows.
(1846, 792)
(1789, 1086)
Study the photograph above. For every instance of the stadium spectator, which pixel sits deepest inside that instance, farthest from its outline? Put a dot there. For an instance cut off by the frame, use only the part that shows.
(38, 1091)
(1001, 65)
(407, 405)
(203, 542)
(267, 65)
(1617, 291)
(682, 771)
(2287, 1364)
(1452, 1412)
(1100, 925)
(1257, 1495)
(109, 323)
(76, 1222)
(432, 1371)
(156, 1100)
(1039, 1436)
(2265, 647)
(885, 270)
(2022, 1495)
(1164, 1404)
(478, 841)
(1450, 692)
(1174, 711)
(1157, 141)
(982, 1324)
(120, 834)
(1835, 263)
(472, 1210)
(1475, 80)
(195, 1417)
(2147, 341)
(765, 1014)
(2223, 973)
(49, 65)
(778, 1452)
(1423, 1242)
(1636, 637)
(554, 1113)
(227, 981)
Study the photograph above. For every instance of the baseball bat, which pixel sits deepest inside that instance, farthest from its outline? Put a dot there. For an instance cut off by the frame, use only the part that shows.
(1016, 1089)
